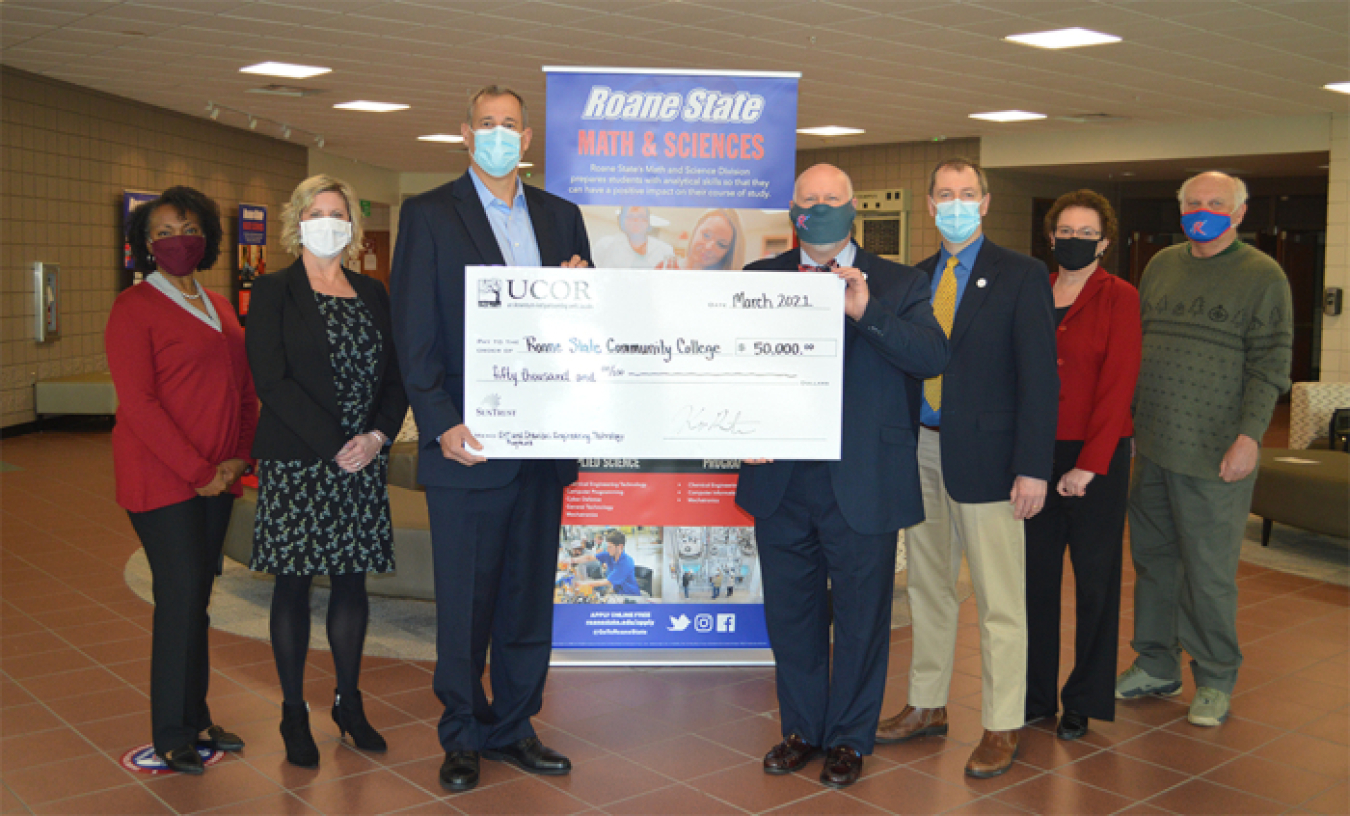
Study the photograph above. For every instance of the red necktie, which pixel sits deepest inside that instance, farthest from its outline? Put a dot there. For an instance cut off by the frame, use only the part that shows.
(829, 267)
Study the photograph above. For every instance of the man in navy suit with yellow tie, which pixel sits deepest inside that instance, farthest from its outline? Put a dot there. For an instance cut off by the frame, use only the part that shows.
(985, 452)
(494, 523)
(838, 521)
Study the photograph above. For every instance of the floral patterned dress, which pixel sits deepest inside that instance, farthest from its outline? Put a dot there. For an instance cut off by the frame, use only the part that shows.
(313, 517)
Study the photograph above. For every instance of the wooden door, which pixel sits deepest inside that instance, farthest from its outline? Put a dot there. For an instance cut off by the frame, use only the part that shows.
(1143, 246)
(375, 258)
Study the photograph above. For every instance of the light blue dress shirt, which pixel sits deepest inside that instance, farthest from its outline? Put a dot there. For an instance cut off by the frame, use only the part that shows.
(511, 224)
(965, 262)
(844, 258)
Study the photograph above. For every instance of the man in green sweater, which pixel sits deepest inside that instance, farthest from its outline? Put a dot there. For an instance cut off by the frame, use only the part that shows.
(1218, 329)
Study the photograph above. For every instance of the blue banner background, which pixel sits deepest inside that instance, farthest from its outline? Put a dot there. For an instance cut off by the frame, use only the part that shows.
(663, 626)
(613, 161)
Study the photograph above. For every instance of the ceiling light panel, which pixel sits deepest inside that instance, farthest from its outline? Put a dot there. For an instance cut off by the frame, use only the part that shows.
(1008, 116)
(370, 107)
(1339, 87)
(1063, 38)
(830, 130)
(285, 69)
(447, 138)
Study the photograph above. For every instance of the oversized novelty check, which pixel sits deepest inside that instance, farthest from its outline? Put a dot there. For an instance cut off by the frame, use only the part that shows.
(588, 363)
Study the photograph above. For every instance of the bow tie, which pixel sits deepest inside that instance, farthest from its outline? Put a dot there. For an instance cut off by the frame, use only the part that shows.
(829, 267)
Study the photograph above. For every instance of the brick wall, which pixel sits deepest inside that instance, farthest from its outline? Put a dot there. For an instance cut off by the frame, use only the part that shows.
(68, 153)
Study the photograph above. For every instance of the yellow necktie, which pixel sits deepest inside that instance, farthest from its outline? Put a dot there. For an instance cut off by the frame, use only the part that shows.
(944, 309)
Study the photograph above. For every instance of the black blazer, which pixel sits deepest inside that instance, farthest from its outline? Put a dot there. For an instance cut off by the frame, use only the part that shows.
(1000, 392)
(887, 354)
(288, 351)
(439, 233)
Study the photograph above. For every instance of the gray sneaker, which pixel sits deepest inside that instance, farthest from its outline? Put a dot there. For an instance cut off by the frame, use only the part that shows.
(1135, 682)
(1210, 707)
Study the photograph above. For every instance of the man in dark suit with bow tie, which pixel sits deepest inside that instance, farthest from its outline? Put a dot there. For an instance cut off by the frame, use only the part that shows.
(839, 520)
(985, 453)
(494, 524)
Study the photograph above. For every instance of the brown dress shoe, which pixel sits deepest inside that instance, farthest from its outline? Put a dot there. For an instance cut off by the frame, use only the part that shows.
(911, 723)
(843, 766)
(790, 755)
(994, 755)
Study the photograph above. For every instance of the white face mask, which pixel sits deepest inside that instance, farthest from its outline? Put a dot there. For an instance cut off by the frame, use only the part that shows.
(325, 237)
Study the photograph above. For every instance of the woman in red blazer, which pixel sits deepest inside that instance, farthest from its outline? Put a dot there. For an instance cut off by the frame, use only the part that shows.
(1098, 343)
(185, 418)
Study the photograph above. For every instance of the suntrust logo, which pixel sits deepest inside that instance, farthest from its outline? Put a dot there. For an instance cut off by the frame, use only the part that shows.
(490, 407)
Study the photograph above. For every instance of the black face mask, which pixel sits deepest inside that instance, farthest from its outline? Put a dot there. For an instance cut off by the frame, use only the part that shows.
(1075, 253)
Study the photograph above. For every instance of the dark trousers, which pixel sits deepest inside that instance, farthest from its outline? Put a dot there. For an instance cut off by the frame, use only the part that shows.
(495, 553)
(1092, 527)
(802, 545)
(183, 543)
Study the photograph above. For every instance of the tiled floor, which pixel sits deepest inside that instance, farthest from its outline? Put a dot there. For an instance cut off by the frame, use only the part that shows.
(74, 666)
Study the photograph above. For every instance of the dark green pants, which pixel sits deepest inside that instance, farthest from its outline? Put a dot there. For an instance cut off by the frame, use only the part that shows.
(1185, 538)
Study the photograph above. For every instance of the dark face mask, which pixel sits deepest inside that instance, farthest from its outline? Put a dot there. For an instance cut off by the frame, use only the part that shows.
(179, 255)
(1075, 253)
(822, 224)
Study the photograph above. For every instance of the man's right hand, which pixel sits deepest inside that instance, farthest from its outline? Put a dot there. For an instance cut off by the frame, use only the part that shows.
(455, 444)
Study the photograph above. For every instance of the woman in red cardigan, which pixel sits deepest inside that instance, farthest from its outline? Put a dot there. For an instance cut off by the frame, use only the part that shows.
(185, 418)
(1098, 344)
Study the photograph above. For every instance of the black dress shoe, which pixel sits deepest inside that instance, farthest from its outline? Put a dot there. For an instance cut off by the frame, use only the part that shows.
(790, 755)
(222, 740)
(1072, 725)
(843, 766)
(185, 760)
(459, 771)
(531, 755)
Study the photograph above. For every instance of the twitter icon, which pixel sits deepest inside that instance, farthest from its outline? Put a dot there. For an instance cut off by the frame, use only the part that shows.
(678, 624)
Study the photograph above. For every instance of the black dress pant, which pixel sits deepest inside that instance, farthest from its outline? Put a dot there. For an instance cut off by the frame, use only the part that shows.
(183, 544)
(495, 555)
(828, 697)
(1092, 527)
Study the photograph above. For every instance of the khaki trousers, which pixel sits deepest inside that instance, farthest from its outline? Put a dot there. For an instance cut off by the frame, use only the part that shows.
(994, 544)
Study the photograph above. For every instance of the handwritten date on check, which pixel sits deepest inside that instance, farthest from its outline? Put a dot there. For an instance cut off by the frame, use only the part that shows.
(584, 363)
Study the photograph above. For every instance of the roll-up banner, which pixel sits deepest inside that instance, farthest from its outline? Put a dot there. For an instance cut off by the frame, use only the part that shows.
(252, 260)
(672, 170)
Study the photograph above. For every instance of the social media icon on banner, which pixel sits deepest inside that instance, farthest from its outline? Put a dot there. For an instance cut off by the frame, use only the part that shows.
(726, 623)
(678, 624)
(703, 623)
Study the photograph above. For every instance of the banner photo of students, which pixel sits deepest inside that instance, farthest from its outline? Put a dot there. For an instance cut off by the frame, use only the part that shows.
(672, 170)
(252, 260)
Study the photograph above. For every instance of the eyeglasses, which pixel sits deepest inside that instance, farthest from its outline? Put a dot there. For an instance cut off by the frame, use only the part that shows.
(1085, 232)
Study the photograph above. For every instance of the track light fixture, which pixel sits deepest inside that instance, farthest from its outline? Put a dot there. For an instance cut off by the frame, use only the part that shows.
(284, 129)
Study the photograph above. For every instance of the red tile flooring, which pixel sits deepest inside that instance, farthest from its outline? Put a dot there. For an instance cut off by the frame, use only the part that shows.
(74, 665)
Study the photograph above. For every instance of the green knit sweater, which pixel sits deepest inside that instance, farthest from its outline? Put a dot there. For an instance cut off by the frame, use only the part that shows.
(1218, 334)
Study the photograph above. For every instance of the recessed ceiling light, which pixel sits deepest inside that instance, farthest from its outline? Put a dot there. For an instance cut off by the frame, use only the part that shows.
(372, 107)
(830, 130)
(1339, 87)
(1063, 38)
(285, 69)
(1008, 116)
(441, 137)
(526, 164)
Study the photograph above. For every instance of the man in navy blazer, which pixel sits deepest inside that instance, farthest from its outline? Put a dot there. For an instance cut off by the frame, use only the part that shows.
(839, 520)
(985, 452)
(494, 524)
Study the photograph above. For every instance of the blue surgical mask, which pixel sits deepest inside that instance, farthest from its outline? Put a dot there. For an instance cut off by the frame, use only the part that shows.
(957, 220)
(496, 150)
(1203, 226)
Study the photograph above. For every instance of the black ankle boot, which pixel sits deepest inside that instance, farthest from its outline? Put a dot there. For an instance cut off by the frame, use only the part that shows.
(350, 717)
(300, 748)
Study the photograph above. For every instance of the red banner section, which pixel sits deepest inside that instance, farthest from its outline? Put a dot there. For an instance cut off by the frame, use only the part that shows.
(655, 499)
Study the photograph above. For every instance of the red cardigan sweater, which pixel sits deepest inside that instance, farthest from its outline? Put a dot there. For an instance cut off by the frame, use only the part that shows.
(185, 400)
(1099, 347)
